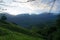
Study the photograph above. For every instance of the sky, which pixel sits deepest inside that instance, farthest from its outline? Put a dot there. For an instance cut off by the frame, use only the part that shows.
(16, 7)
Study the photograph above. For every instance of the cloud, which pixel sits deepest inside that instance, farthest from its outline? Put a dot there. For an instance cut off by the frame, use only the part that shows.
(37, 6)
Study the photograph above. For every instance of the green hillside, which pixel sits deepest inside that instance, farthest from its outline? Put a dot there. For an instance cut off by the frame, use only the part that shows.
(10, 31)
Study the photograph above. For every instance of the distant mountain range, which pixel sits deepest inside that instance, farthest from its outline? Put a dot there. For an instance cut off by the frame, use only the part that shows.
(27, 20)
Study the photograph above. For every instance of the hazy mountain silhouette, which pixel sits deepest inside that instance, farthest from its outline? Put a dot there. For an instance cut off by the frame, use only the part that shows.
(26, 19)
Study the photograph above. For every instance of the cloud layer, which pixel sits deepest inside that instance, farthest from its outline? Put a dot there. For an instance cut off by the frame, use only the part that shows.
(37, 6)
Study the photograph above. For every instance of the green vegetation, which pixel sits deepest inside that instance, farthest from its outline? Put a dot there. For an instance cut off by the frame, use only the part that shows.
(49, 32)
(3, 17)
(10, 31)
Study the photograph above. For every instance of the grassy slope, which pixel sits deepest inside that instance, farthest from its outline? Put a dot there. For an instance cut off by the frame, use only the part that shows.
(9, 31)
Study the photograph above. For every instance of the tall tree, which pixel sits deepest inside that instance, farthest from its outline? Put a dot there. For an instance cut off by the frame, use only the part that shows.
(52, 5)
(3, 17)
(58, 21)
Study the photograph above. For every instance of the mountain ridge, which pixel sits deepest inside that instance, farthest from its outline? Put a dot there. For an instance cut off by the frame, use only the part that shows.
(27, 20)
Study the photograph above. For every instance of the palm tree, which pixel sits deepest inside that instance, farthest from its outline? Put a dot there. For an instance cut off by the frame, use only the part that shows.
(52, 6)
(1, 1)
(23, 2)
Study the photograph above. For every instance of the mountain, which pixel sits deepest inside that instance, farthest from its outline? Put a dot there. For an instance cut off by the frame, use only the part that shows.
(26, 20)
(49, 27)
(10, 31)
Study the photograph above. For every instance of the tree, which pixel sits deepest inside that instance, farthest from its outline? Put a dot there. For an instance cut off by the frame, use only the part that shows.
(58, 21)
(3, 17)
(56, 35)
(52, 5)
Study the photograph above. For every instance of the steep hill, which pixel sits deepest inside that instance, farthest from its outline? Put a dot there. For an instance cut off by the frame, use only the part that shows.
(10, 31)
